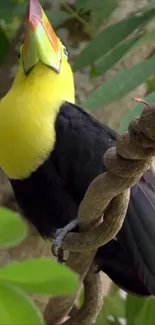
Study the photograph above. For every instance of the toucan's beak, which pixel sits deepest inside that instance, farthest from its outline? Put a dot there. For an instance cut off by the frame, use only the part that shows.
(41, 42)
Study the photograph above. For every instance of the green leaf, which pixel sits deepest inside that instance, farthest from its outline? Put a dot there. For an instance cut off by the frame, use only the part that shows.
(135, 112)
(12, 228)
(58, 18)
(114, 56)
(133, 307)
(114, 306)
(146, 315)
(16, 308)
(4, 45)
(124, 82)
(109, 38)
(42, 276)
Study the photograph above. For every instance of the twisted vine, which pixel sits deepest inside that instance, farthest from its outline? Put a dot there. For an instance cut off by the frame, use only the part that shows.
(125, 163)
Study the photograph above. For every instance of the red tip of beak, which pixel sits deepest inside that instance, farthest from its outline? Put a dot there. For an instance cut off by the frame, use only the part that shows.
(34, 13)
(35, 16)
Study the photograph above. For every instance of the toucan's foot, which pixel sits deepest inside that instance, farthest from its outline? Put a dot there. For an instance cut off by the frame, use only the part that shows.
(60, 234)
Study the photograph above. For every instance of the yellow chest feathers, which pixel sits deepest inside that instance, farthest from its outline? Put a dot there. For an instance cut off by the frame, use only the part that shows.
(27, 121)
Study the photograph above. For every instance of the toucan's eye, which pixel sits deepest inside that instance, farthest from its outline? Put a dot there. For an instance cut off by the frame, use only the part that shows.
(19, 55)
(65, 52)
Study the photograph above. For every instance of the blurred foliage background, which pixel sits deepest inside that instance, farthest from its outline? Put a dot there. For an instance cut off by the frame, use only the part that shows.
(112, 52)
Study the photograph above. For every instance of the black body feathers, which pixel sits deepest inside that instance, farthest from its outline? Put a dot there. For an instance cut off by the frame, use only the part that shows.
(50, 198)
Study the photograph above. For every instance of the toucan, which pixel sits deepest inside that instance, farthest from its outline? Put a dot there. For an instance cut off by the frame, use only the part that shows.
(51, 150)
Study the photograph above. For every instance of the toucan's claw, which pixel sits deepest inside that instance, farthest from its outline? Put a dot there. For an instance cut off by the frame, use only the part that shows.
(60, 234)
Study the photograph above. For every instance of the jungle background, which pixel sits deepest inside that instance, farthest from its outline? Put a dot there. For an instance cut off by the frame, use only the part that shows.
(111, 46)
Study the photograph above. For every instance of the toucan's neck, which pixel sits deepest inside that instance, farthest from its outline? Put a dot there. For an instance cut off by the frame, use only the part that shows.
(27, 121)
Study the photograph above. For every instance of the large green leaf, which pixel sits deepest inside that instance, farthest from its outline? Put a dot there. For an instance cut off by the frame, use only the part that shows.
(135, 112)
(42, 275)
(16, 308)
(109, 38)
(114, 56)
(124, 82)
(146, 315)
(133, 308)
(12, 228)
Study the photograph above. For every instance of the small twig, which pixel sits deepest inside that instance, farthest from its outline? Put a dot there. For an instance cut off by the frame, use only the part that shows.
(140, 100)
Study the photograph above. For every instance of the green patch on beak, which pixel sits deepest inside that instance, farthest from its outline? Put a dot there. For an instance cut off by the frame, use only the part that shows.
(41, 43)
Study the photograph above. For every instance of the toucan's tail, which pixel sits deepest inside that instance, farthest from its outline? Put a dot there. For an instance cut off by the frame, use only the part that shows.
(130, 259)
